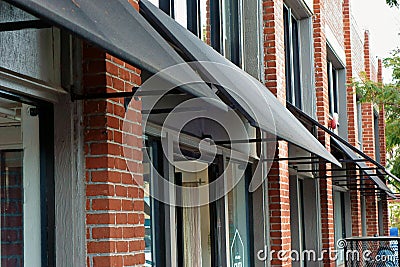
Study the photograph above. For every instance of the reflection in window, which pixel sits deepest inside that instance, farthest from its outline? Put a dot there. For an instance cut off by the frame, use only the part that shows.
(193, 223)
(292, 59)
(238, 217)
(333, 89)
(12, 240)
(232, 31)
(148, 212)
(181, 12)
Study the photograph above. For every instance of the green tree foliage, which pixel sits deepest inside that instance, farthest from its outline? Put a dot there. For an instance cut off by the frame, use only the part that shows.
(393, 3)
(394, 214)
(387, 95)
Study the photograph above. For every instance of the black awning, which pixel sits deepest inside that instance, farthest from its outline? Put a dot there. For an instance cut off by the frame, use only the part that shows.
(355, 155)
(119, 29)
(359, 161)
(247, 94)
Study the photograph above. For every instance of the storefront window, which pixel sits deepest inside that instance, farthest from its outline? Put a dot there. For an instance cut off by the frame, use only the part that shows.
(147, 213)
(21, 225)
(12, 232)
(238, 218)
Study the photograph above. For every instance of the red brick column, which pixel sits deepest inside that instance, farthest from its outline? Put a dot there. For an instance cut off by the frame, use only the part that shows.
(382, 150)
(369, 144)
(115, 219)
(278, 185)
(321, 87)
(351, 115)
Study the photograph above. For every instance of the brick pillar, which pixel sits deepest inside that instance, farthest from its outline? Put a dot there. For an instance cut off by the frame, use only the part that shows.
(114, 207)
(382, 150)
(321, 87)
(278, 178)
(369, 145)
(351, 116)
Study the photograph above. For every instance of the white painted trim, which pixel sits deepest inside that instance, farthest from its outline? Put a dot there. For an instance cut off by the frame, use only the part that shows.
(31, 188)
(21, 84)
(69, 181)
(335, 45)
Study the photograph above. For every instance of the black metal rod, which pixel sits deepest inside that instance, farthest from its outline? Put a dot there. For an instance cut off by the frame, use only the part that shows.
(102, 95)
(352, 160)
(295, 158)
(322, 127)
(350, 169)
(303, 162)
(245, 141)
(345, 180)
(21, 25)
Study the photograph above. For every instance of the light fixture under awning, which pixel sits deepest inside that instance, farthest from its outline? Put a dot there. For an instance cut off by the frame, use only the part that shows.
(362, 165)
(120, 30)
(248, 95)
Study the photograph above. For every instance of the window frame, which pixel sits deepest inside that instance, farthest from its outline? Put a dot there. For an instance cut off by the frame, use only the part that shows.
(333, 88)
(47, 182)
(218, 211)
(293, 66)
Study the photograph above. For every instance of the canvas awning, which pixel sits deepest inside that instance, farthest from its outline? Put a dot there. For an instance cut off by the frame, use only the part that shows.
(120, 30)
(375, 173)
(247, 94)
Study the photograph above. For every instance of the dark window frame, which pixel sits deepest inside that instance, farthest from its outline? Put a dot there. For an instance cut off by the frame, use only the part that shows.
(292, 58)
(333, 88)
(193, 24)
(47, 184)
(157, 207)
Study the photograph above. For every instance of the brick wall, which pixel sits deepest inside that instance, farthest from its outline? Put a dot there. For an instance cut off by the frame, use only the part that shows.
(321, 87)
(357, 49)
(351, 114)
(115, 205)
(278, 177)
(369, 145)
(11, 192)
(115, 218)
(382, 150)
(335, 19)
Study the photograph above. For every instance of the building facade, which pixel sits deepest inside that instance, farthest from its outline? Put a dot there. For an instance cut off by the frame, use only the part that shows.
(92, 174)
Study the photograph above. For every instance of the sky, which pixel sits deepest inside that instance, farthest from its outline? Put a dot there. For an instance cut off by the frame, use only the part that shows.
(383, 24)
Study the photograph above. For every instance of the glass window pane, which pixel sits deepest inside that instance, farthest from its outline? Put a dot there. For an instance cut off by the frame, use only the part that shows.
(155, 2)
(147, 211)
(296, 62)
(205, 21)
(335, 91)
(12, 239)
(238, 218)
(181, 12)
(232, 31)
(288, 51)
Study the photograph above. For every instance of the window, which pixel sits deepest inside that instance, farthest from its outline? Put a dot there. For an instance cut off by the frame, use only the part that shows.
(359, 123)
(333, 89)
(27, 184)
(339, 222)
(221, 27)
(292, 59)
(154, 209)
(376, 137)
(209, 235)
(238, 217)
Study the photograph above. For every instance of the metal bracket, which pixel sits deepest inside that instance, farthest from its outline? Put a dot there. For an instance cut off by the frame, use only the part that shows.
(95, 96)
(22, 25)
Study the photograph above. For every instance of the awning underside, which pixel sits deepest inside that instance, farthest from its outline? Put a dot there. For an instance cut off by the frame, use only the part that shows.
(246, 93)
(375, 171)
(370, 172)
(120, 30)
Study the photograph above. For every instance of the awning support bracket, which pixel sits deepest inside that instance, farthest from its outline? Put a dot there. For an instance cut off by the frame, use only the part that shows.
(23, 25)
